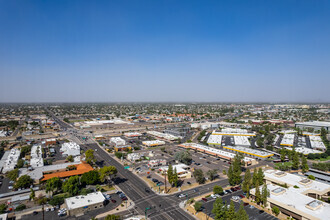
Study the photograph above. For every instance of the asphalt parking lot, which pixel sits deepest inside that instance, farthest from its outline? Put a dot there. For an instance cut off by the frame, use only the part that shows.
(50, 215)
(254, 213)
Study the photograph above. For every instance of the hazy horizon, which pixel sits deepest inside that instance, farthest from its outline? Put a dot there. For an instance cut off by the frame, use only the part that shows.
(164, 51)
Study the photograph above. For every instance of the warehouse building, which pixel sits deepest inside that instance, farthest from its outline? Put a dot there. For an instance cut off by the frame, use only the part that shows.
(216, 152)
(317, 143)
(316, 125)
(288, 140)
(241, 141)
(79, 205)
(36, 157)
(214, 140)
(70, 148)
(258, 154)
(117, 141)
(11, 160)
(153, 143)
(168, 137)
(177, 131)
(132, 134)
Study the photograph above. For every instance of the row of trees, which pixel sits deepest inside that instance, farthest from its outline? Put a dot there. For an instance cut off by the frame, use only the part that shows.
(296, 161)
(235, 170)
(222, 211)
(200, 177)
(254, 181)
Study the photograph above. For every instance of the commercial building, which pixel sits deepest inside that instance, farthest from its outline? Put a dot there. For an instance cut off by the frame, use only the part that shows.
(153, 143)
(259, 154)
(132, 134)
(233, 132)
(11, 160)
(122, 148)
(214, 140)
(36, 157)
(70, 148)
(316, 125)
(296, 205)
(216, 152)
(79, 170)
(317, 143)
(301, 198)
(134, 156)
(117, 141)
(205, 125)
(177, 131)
(168, 137)
(241, 141)
(305, 150)
(157, 163)
(181, 169)
(79, 205)
(288, 140)
(99, 137)
(319, 175)
(50, 141)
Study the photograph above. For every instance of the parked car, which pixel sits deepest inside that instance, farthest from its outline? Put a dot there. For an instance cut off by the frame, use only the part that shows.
(242, 196)
(229, 191)
(181, 196)
(213, 196)
(35, 213)
(113, 201)
(154, 180)
(204, 199)
(189, 183)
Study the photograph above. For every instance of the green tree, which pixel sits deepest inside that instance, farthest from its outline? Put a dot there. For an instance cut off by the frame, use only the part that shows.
(276, 210)
(170, 174)
(90, 178)
(260, 176)
(304, 165)
(199, 176)
(183, 157)
(89, 154)
(247, 183)
(24, 181)
(56, 200)
(70, 158)
(231, 211)
(20, 207)
(175, 178)
(295, 162)
(20, 163)
(53, 185)
(212, 174)
(257, 193)
(32, 194)
(112, 217)
(3, 208)
(217, 189)
(241, 213)
(264, 194)
(71, 186)
(219, 209)
(198, 206)
(107, 172)
(235, 170)
(13, 174)
(282, 154)
(255, 177)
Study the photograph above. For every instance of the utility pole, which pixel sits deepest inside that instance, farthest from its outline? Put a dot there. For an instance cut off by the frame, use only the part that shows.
(165, 182)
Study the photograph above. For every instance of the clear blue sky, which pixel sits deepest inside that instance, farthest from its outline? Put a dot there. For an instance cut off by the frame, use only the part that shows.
(271, 51)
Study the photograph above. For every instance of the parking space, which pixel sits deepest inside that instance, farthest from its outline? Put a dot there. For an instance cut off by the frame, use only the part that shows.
(254, 213)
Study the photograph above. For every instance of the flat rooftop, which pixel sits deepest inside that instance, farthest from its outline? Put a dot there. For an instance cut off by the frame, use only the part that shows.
(215, 139)
(246, 150)
(292, 180)
(298, 203)
(83, 201)
(315, 123)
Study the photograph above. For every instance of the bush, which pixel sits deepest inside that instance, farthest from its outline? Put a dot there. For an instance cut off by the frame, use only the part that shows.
(217, 190)
(276, 210)
(20, 207)
(3, 208)
(295, 186)
(57, 200)
(198, 206)
(311, 177)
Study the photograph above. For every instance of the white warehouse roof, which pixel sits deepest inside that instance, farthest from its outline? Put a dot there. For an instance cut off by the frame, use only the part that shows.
(36, 157)
(70, 148)
(83, 201)
(11, 160)
(215, 139)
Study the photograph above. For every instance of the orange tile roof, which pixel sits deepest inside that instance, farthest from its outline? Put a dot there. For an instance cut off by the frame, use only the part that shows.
(81, 169)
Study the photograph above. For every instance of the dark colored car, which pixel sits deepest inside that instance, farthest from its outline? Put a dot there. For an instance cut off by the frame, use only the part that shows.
(233, 189)
(35, 213)
(148, 177)
(237, 187)
(113, 201)
(189, 183)
(245, 204)
(228, 191)
(242, 196)
(124, 198)
(204, 199)
(154, 180)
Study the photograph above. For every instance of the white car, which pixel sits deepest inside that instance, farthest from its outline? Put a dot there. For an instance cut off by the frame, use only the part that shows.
(213, 196)
(10, 187)
(182, 196)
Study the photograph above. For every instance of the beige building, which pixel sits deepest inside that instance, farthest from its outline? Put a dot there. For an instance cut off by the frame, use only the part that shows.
(79, 205)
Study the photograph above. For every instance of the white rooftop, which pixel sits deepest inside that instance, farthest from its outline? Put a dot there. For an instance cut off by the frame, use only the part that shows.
(215, 139)
(305, 150)
(11, 160)
(163, 135)
(70, 148)
(82, 201)
(132, 134)
(179, 168)
(215, 151)
(155, 142)
(36, 157)
(251, 151)
(292, 180)
(241, 141)
(118, 141)
(315, 123)
(316, 142)
(297, 201)
(288, 139)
